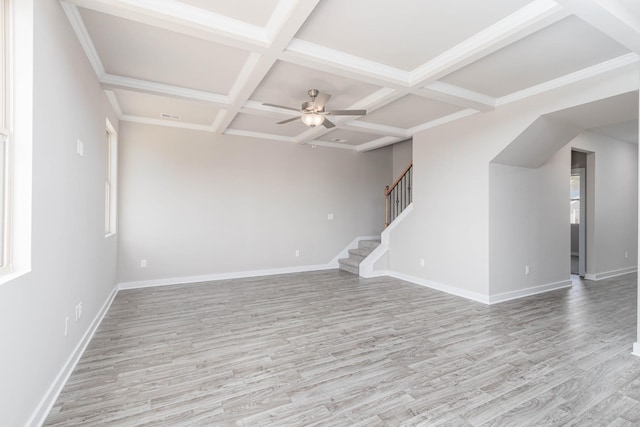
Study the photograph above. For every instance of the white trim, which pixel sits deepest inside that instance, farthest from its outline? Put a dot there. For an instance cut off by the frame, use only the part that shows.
(73, 15)
(119, 82)
(609, 274)
(583, 74)
(474, 296)
(44, 407)
(521, 293)
(333, 264)
(346, 61)
(167, 123)
(379, 143)
(636, 349)
(260, 135)
(442, 120)
(169, 281)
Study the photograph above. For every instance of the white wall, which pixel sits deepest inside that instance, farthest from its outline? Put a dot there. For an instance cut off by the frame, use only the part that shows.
(613, 224)
(192, 203)
(529, 225)
(449, 226)
(71, 259)
(402, 157)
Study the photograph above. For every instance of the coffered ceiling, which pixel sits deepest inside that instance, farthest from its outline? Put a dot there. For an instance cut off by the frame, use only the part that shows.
(212, 64)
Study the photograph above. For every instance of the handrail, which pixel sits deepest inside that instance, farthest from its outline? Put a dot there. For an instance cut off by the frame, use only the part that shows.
(401, 192)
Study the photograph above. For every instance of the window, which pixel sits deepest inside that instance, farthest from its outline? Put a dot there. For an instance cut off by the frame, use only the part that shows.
(5, 141)
(110, 185)
(574, 205)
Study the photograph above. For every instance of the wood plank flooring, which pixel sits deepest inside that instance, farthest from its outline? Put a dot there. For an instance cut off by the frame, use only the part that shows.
(332, 349)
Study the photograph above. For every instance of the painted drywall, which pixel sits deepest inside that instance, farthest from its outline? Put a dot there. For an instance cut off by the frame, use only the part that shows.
(612, 191)
(193, 203)
(528, 225)
(402, 156)
(71, 261)
(449, 227)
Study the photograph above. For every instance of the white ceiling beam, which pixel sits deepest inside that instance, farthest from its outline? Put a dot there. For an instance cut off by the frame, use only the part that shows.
(609, 20)
(110, 81)
(73, 15)
(167, 123)
(183, 18)
(451, 94)
(527, 20)
(630, 59)
(284, 24)
(378, 143)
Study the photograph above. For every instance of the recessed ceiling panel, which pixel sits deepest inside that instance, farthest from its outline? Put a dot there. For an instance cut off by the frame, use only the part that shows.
(256, 12)
(562, 48)
(131, 49)
(410, 111)
(287, 84)
(154, 106)
(341, 136)
(263, 124)
(403, 33)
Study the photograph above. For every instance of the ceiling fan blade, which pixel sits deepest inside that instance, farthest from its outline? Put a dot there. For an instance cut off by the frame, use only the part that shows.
(328, 123)
(280, 106)
(288, 120)
(347, 112)
(321, 100)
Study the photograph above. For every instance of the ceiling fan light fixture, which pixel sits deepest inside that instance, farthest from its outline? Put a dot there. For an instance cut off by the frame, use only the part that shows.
(312, 119)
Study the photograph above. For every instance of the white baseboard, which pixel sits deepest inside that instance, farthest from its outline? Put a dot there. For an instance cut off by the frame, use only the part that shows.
(168, 281)
(610, 274)
(474, 296)
(221, 276)
(521, 293)
(636, 349)
(44, 407)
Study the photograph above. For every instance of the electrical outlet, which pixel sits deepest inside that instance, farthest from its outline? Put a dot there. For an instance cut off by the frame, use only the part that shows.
(79, 148)
(297, 252)
(626, 254)
(421, 262)
(143, 263)
(527, 270)
(330, 217)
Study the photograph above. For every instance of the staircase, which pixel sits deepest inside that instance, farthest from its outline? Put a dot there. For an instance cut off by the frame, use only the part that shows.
(356, 256)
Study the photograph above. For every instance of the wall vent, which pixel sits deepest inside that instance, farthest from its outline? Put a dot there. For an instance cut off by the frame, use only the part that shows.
(170, 116)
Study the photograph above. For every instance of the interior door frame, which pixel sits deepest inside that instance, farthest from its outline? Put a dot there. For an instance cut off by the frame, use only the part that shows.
(582, 227)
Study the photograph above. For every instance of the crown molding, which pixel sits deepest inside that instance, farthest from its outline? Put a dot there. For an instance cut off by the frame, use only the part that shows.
(73, 15)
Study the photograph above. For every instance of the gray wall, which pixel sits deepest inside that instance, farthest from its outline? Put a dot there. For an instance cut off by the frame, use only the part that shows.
(192, 203)
(71, 260)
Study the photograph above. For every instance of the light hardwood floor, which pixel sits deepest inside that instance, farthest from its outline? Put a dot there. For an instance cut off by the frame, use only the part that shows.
(332, 349)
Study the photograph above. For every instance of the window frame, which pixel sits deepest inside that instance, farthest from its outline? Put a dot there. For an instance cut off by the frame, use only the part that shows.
(6, 137)
(111, 178)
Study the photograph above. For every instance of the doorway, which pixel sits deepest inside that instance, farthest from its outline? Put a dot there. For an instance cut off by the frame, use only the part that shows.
(577, 212)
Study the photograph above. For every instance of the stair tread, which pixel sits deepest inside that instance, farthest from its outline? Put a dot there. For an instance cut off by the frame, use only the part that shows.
(361, 251)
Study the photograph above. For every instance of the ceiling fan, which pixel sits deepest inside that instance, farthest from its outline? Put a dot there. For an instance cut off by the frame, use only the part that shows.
(313, 112)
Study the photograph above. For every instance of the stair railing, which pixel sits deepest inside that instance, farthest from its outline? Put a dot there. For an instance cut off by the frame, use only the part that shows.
(398, 196)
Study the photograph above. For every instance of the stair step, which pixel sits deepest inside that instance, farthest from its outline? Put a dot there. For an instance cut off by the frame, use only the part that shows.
(368, 244)
(350, 265)
(356, 256)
